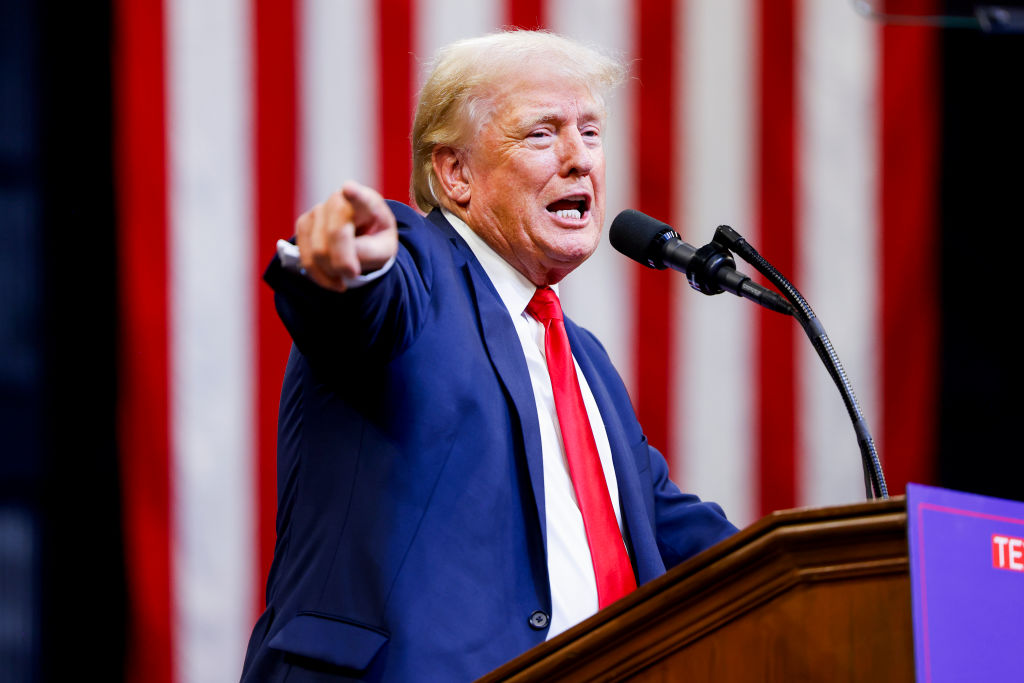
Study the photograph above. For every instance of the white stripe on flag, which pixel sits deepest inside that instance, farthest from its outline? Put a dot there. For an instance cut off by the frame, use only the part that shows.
(597, 295)
(838, 221)
(337, 97)
(717, 380)
(211, 355)
(440, 22)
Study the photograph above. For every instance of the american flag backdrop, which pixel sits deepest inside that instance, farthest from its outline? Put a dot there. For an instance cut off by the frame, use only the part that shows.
(806, 127)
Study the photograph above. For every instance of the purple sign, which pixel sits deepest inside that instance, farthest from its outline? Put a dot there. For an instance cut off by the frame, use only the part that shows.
(967, 585)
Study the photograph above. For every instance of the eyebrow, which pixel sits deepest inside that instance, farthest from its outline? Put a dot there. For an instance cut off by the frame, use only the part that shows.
(549, 117)
(586, 116)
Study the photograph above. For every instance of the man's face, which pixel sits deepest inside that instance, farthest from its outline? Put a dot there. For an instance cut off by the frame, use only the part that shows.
(536, 176)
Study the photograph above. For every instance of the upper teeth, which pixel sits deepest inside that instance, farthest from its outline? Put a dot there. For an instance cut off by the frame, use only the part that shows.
(569, 213)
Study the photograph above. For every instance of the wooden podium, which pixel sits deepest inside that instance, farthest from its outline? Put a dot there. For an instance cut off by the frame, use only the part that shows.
(802, 595)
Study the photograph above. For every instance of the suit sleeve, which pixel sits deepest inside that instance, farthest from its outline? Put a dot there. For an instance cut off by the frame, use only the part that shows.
(685, 525)
(371, 323)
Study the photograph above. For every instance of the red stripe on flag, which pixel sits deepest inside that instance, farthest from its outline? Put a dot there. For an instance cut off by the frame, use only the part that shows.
(525, 14)
(143, 401)
(274, 139)
(909, 249)
(655, 45)
(777, 179)
(395, 22)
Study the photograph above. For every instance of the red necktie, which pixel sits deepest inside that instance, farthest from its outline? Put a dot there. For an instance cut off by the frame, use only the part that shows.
(607, 551)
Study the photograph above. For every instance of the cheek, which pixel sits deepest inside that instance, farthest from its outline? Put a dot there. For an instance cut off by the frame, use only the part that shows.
(517, 197)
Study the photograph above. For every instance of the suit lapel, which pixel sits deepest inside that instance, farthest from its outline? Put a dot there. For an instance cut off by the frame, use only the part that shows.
(506, 354)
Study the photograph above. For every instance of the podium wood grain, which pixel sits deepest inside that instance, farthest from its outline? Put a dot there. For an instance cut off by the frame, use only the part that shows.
(818, 594)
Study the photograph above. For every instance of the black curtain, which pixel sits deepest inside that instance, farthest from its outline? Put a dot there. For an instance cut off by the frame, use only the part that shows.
(982, 219)
(58, 346)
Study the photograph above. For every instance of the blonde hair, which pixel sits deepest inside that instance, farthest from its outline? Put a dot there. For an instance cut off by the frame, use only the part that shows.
(455, 99)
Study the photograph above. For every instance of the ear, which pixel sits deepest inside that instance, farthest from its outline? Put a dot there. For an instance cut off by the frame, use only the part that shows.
(453, 174)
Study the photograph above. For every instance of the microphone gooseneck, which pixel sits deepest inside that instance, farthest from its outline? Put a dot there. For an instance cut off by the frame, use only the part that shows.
(874, 478)
(712, 270)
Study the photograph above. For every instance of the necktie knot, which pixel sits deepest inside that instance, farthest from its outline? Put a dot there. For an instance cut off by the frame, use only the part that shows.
(544, 306)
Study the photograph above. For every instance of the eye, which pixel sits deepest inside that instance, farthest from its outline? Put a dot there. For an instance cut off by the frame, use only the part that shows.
(591, 134)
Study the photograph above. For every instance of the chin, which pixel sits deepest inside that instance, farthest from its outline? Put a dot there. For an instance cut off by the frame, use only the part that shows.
(570, 257)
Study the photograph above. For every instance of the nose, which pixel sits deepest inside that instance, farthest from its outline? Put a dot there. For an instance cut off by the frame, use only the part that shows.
(577, 156)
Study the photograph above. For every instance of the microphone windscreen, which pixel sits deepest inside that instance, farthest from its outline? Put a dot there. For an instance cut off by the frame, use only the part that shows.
(634, 234)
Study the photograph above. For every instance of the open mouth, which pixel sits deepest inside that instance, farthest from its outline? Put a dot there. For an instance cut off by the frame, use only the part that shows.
(570, 207)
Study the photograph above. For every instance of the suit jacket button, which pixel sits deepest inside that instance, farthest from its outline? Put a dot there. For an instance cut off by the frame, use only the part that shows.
(539, 620)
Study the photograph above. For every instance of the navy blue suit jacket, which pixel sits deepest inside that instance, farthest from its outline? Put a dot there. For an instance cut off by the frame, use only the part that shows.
(410, 523)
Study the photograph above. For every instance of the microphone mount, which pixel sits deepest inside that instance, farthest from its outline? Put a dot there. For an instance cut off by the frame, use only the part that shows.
(709, 270)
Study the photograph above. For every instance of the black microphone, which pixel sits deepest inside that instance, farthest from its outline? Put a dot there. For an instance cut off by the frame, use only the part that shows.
(710, 269)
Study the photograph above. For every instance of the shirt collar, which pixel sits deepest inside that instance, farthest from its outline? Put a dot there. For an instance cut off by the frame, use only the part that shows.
(513, 287)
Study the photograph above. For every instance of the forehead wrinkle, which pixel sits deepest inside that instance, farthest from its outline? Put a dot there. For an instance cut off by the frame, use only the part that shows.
(503, 99)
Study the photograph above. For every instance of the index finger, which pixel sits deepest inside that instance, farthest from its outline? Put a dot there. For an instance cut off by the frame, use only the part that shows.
(370, 213)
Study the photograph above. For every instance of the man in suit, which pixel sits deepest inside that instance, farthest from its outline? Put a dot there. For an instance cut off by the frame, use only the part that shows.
(454, 485)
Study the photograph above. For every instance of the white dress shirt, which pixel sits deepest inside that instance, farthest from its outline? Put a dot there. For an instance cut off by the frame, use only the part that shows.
(570, 568)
